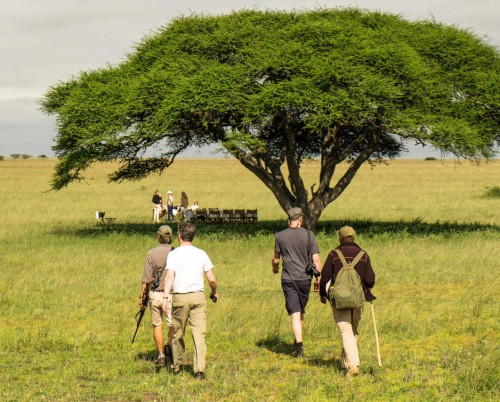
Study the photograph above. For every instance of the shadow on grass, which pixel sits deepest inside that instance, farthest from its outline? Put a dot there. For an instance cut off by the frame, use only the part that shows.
(367, 227)
(276, 345)
(153, 354)
(148, 356)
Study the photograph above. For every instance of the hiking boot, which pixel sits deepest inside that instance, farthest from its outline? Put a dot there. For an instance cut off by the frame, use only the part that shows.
(353, 372)
(200, 375)
(160, 361)
(299, 350)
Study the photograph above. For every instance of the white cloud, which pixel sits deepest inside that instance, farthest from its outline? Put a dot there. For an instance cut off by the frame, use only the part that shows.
(43, 42)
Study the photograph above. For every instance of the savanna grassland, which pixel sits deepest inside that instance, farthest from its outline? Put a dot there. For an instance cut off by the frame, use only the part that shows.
(70, 287)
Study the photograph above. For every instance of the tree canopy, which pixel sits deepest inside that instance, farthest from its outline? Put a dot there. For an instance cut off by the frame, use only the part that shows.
(278, 88)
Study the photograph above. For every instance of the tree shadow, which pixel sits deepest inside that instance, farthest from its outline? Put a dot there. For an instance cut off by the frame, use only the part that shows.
(367, 227)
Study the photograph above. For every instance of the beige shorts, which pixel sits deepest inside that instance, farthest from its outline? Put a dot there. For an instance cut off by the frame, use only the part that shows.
(156, 306)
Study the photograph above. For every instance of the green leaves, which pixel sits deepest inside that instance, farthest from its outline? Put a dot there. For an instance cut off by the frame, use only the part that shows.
(339, 83)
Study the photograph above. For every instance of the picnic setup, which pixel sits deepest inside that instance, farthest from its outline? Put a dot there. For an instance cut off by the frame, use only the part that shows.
(101, 220)
(216, 215)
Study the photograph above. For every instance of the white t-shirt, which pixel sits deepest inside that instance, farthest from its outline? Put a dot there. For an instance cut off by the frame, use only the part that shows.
(189, 264)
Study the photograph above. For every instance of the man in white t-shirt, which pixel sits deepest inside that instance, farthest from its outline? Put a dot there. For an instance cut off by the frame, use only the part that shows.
(185, 268)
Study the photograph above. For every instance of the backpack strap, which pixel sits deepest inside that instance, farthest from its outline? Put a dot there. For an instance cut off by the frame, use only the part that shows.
(353, 262)
(342, 258)
(357, 258)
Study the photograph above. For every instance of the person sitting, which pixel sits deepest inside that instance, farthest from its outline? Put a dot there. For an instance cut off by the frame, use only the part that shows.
(194, 207)
(189, 212)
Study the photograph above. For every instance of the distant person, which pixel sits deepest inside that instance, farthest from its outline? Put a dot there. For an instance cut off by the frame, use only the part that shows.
(297, 247)
(347, 320)
(185, 268)
(184, 201)
(190, 211)
(194, 207)
(170, 206)
(157, 206)
(154, 269)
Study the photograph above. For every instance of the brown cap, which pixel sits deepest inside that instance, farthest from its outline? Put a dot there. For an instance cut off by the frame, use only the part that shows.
(164, 231)
(347, 231)
(294, 213)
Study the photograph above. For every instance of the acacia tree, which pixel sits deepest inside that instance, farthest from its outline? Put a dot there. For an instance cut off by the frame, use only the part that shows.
(278, 88)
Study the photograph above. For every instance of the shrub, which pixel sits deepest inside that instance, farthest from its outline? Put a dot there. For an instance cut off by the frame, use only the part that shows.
(15, 156)
(430, 158)
(493, 192)
(2, 157)
(43, 156)
(25, 156)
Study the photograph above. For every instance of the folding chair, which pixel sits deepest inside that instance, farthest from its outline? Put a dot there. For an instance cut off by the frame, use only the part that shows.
(100, 217)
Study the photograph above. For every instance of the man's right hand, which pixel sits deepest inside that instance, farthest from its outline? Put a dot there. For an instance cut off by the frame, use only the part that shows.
(323, 299)
(276, 265)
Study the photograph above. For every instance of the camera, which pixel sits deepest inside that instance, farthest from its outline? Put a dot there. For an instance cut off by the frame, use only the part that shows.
(311, 270)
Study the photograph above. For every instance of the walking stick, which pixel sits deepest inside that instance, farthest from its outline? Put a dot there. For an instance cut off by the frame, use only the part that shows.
(376, 336)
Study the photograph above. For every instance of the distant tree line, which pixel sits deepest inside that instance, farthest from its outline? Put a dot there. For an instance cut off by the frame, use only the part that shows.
(23, 156)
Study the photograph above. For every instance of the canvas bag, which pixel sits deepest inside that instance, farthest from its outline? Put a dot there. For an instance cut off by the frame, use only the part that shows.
(347, 291)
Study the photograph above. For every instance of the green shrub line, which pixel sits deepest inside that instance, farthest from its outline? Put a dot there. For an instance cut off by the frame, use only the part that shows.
(493, 192)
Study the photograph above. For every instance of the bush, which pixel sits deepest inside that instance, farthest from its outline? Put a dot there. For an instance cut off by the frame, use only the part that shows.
(493, 192)
(15, 156)
(2, 157)
(430, 158)
(43, 156)
(25, 156)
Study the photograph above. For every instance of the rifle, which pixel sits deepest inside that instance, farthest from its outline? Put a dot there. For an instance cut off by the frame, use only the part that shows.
(144, 306)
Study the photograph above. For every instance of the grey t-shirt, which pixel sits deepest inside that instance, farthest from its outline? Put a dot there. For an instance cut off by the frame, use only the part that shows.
(292, 246)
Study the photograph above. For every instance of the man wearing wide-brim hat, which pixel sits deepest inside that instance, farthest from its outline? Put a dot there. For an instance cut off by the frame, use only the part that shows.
(298, 250)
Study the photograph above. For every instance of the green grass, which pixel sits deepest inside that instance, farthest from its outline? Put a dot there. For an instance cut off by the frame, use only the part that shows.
(69, 289)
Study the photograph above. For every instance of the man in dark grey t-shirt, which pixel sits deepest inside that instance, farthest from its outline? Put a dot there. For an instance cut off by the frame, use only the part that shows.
(296, 247)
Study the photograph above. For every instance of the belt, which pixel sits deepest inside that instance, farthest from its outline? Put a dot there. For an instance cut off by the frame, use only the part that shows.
(187, 293)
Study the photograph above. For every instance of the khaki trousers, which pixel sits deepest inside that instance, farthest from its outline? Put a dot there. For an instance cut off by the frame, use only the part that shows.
(347, 321)
(189, 308)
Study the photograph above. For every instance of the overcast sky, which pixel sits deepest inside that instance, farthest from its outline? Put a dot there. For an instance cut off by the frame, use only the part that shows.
(43, 42)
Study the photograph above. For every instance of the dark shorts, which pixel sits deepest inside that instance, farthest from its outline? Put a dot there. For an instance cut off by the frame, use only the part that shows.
(296, 295)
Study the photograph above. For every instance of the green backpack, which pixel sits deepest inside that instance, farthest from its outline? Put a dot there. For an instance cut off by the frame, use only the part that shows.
(347, 291)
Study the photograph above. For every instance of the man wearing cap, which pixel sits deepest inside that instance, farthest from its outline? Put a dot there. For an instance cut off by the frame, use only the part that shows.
(154, 270)
(347, 320)
(297, 247)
